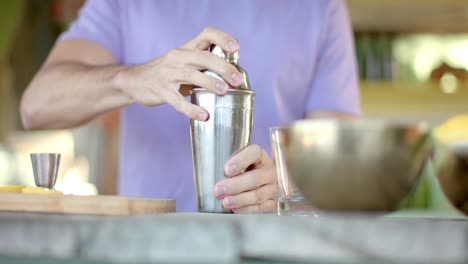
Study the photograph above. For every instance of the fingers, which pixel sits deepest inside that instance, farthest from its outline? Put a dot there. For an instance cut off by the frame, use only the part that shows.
(202, 60)
(206, 60)
(177, 101)
(251, 191)
(268, 206)
(253, 197)
(182, 65)
(242, 160)
(198, 79)
(245, 182)
(211, 35)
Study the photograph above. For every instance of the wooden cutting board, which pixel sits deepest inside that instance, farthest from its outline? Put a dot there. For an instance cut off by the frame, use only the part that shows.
(88, 205)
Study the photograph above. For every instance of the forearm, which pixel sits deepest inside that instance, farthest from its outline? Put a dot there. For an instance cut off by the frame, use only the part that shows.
(77, 81)
(67, 94)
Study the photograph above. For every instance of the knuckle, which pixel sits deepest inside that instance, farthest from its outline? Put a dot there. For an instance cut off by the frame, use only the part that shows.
(223, 71)
(192, 111)
(230, 69)
(259, 194)
(257, 181)
(226, 70)
(178, 104)
(226, 37)
(205, 53)
(205, 81)
(209, 83)
(207, 30)
(257, 150)
(184, 74)
(199, 57)
(173, 54)
(221, 35)
(179, 54)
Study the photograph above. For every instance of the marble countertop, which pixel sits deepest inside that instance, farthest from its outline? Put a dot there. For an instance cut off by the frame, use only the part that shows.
(196, 237)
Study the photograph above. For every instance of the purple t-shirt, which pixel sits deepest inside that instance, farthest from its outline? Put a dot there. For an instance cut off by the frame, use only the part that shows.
(299, 56)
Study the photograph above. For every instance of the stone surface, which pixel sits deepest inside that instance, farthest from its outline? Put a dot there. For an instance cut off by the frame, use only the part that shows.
(117, 239)
(193, 237)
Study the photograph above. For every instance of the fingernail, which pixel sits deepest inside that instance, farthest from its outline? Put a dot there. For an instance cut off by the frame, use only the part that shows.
(202, 116)
(236, 78)
(228, 202)
(220, 190)
(231, 169)
(221, 87)
(233, 45)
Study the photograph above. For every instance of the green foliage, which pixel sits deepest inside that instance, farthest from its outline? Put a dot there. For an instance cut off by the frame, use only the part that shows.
(10, 14)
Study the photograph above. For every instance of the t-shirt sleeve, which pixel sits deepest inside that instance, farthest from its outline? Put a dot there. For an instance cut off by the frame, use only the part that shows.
(98, 21)
(334, 86)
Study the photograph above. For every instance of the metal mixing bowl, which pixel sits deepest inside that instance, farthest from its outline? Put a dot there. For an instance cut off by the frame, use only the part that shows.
(356, 165)
(452, 173)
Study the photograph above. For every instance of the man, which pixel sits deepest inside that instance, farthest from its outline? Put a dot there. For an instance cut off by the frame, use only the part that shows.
(137, 55)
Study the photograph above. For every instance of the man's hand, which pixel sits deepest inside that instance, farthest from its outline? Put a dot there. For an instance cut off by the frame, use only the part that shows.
(81, 80)
(252, 185)
(167, 79)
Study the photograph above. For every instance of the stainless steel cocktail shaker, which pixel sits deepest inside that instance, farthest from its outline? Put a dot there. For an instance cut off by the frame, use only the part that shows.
(228, 130)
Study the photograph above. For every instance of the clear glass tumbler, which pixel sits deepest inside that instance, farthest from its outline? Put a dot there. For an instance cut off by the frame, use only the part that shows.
(290, 200)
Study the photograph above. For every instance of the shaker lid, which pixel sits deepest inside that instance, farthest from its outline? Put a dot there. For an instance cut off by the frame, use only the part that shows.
(233, 58)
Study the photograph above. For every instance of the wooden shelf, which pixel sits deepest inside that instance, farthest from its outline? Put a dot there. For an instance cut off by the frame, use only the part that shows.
(409, 16)
(408, 101)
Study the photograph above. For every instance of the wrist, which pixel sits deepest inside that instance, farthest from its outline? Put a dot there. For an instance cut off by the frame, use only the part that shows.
(121, 82)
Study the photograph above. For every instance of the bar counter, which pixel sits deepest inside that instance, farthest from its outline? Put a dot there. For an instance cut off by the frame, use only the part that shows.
(227, 238)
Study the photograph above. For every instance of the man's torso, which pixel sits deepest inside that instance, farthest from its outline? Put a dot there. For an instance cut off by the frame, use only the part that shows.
(279, 41)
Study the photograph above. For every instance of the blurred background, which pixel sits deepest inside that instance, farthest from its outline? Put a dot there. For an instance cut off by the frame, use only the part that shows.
(413, 65)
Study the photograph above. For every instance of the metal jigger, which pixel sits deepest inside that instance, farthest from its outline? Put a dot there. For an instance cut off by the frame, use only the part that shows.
(45, 168)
